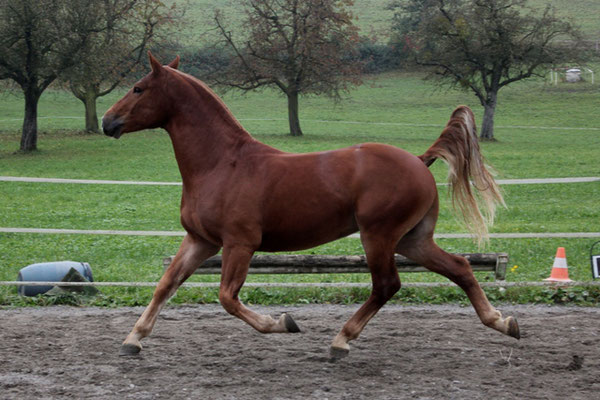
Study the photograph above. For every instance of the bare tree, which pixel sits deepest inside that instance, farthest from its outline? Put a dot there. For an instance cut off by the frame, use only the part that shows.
(39, 39)
(297, 46)
(131, 27)
(485, 45)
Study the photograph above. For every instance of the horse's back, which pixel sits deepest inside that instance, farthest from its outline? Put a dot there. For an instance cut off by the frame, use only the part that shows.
(313, 198)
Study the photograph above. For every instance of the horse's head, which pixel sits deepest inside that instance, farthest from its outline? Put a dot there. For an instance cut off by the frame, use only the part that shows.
(145, 106)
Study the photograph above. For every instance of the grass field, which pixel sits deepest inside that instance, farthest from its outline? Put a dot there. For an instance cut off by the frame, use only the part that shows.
(534, 120)
(543, 131)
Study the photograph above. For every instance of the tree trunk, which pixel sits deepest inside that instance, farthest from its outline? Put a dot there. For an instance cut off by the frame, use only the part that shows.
(487, 126)
(293, 118)
(91, 116)
(88, 93)
(29, 134)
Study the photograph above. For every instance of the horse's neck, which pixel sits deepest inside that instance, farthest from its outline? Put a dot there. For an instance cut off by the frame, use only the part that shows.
(201, 147)
(205, 135)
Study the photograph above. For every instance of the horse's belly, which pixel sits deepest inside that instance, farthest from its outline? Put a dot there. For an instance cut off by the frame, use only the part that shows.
(307, 233)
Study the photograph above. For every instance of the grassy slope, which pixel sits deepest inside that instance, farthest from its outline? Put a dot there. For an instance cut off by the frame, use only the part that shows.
(583, 12)
(373, 18)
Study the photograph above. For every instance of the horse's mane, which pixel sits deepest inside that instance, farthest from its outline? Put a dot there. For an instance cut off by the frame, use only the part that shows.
(210, 97)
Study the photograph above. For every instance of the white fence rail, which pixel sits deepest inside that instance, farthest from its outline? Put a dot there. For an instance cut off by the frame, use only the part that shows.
(496, 284)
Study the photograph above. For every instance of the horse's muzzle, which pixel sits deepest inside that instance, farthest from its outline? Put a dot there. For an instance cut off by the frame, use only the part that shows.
(112, 126)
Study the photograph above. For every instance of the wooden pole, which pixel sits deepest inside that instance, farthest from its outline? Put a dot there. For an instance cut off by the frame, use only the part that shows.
(322, 264)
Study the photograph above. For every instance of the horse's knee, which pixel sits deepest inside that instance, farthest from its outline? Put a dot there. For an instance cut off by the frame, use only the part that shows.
(386, 290)
(392, 287)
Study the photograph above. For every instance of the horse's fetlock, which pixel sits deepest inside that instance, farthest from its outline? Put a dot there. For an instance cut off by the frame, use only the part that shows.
(491, 320)
(142, 330)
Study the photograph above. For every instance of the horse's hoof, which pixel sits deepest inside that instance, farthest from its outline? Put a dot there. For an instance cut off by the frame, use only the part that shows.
(290, 324)
(337, 353)
(128, 349)
(513, 328)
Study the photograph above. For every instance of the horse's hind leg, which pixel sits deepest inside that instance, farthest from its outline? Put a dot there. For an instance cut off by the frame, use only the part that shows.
(189, 257)
(384, 275)
(457, 269)
(235, 264)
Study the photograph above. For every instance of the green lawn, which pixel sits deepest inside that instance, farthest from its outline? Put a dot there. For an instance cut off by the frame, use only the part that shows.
(524, 150)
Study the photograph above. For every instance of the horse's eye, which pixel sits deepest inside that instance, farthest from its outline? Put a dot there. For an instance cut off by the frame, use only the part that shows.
(137, 90)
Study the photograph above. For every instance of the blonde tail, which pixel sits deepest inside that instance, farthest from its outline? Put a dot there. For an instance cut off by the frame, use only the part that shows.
(459, 148)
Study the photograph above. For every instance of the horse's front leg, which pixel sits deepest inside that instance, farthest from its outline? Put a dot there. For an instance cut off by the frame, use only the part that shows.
(235, 264)
(191, 254)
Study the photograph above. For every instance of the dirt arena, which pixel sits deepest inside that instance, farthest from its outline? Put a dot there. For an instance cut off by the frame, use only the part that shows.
(200, 352)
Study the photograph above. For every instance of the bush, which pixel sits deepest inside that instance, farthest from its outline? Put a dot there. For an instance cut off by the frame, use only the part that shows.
(203, 62)
(377, 57)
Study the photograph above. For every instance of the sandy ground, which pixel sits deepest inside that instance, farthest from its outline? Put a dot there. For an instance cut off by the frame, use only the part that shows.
(200, 352)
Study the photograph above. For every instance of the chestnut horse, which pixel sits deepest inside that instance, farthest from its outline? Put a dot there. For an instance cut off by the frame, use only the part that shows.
(242, 196)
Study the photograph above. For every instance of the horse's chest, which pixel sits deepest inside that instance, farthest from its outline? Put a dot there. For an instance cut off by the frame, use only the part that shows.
(213, 215)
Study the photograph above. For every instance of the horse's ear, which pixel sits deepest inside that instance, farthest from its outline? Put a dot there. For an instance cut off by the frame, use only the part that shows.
(156, 67)
(175, 63)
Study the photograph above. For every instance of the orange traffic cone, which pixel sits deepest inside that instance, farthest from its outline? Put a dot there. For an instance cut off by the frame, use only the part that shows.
(560, 270)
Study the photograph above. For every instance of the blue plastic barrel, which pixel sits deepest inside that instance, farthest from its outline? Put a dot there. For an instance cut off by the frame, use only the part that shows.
(49, 272)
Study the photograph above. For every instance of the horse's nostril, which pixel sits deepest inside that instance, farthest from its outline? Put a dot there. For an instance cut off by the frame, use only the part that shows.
(112, 126)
